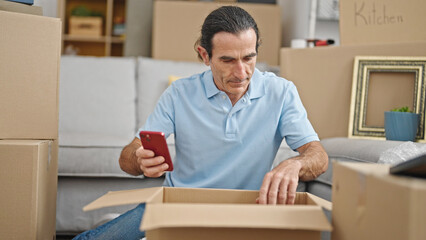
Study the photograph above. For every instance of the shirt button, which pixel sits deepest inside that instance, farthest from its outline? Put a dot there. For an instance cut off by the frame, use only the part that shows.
(223, 96)
(244, 100)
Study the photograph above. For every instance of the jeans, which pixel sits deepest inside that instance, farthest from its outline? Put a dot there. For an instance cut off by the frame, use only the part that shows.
(126, 226)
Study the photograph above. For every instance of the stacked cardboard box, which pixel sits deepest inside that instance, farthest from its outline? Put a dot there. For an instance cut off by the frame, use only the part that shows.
(323, 76)
(177, 26)
(191, 214)
(29, 70)
(369, 203)
(382, 21)
(20, 8)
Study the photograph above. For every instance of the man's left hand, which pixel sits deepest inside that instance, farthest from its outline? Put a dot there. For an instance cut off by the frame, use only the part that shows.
(279, 185)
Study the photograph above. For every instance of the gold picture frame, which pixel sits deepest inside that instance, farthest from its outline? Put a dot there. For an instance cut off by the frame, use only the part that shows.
(411, 68)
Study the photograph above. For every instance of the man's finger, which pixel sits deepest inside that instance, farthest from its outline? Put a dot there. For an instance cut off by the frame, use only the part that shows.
(151, 162)
(273, 189)
(144, 153)
(282, 195)
(291, 195)
(155, 171)
(264, 189)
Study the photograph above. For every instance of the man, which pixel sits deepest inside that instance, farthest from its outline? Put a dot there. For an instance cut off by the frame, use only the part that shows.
(228, 124)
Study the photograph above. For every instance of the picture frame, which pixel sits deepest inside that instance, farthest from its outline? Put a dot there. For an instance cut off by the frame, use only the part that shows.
(412, 69)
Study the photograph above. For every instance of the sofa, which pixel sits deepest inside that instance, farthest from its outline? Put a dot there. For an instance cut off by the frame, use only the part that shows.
(102, 103)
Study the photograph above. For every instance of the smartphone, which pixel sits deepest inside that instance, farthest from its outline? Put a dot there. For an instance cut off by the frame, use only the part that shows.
(156, 142)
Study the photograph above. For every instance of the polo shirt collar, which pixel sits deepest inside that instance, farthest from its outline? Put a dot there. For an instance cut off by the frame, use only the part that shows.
(256, 87)
(209, 85)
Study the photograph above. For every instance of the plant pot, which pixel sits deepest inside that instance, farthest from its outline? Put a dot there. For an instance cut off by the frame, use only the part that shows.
(401, 126)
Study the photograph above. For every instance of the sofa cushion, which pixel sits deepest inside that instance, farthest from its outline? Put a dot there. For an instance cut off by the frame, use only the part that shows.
(93, 161)
(97, 102)
(90, 162)
(153, 79)
(358, 150)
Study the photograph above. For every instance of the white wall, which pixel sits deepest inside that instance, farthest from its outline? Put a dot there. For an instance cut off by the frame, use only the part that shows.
(49, 7)
(295, 22)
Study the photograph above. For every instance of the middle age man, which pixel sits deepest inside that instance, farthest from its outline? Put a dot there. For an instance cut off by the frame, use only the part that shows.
(228, 124)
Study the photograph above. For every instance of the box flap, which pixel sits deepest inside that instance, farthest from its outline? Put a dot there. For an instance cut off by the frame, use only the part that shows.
(293, 217)
(126, 197)
(364, 168)
(319, 201)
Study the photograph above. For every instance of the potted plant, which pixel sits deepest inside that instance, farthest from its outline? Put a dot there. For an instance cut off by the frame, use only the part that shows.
(401, 124)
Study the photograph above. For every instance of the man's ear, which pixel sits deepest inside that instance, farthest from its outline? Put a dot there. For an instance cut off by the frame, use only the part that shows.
(204, 55)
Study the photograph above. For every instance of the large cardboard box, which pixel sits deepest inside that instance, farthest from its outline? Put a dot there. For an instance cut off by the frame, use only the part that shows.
(382, 21)
(189, 214)
(28, 177)
(177, 26)
(323, 76)
(30, 49)
(369, 203)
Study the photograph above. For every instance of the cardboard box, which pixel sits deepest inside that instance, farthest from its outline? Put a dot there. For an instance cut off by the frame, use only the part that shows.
(20, 8)
(187, 213)
(369, 203)
(85, 26)
(30, 49)
(28, 177)
(382, 21)
(177, 26)
(323, 76)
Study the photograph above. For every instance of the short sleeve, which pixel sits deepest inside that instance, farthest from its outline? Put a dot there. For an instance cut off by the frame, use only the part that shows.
(294, 124)
(162, 118)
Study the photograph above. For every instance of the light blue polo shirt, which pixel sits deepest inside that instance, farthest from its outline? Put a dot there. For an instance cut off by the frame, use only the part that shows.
(223, 146)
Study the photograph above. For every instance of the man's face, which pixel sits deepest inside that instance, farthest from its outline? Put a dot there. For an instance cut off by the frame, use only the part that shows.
(232, 62)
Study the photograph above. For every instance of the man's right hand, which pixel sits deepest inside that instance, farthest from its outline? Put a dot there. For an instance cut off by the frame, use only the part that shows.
(136, 160)
(151, 165)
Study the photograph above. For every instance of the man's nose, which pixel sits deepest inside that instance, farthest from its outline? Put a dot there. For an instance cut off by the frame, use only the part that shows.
(240, 71)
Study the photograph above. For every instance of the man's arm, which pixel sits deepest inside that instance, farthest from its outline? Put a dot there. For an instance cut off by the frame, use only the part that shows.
(279, 185)
(135, 160)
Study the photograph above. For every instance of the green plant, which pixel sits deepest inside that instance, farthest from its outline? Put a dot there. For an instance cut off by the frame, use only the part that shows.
(402, 109)
(83, 11)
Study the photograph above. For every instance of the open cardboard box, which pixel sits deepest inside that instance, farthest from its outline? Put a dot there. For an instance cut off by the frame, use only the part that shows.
(191, 213)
